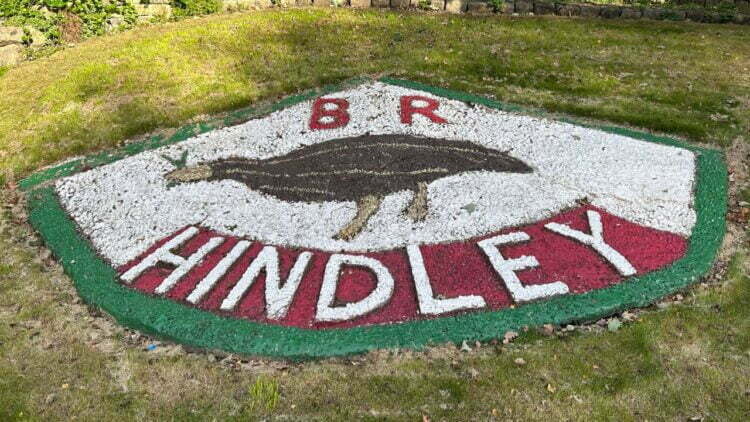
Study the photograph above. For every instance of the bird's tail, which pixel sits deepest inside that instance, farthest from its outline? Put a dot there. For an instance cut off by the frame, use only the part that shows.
(190, 174)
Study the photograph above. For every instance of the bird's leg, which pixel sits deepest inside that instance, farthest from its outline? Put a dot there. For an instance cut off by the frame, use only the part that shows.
(366, 207)
(417, 210)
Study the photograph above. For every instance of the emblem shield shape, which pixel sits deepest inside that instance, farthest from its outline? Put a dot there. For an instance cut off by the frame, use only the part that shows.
(379, 214)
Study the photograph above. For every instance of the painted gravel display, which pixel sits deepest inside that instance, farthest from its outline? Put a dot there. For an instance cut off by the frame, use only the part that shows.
(379, 214)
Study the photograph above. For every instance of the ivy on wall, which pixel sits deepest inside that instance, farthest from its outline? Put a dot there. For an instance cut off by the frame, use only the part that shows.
(94, 13)
(48, 15)
(87, 17)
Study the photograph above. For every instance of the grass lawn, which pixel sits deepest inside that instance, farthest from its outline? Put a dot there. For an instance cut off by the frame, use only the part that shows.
(688, 358)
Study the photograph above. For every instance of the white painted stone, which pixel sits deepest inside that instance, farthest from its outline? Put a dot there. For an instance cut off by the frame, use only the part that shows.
(279, 298)
(379, 296)
(596, 241)
(507, 268)
(190, 263)
(428, 303)
(643, 182)
(162, 254)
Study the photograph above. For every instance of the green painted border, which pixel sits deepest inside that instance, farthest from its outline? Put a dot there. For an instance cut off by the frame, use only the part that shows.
(97, 284)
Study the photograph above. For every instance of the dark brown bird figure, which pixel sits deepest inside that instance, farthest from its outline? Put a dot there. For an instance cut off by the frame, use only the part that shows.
(362, 169)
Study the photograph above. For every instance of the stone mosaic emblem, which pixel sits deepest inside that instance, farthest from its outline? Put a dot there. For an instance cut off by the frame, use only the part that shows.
(379, 214)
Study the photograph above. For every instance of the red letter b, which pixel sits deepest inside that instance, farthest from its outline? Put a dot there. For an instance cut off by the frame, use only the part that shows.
(336, 117)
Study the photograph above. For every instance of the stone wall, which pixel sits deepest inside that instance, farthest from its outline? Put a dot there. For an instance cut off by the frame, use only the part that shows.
(700, 11)
(697, 11)
(13, 40)
(149, 9)
(234, 5)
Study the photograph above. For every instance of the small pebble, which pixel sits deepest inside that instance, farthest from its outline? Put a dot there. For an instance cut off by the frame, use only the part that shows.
(50, 398)
(547, 329)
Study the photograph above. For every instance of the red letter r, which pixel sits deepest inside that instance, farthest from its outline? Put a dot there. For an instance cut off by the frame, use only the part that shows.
(408, 109)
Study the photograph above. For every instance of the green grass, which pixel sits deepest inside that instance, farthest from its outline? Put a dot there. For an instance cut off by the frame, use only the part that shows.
(683, 78)
(745, 195)
(264, 395)
(58, 361)
(691, 359)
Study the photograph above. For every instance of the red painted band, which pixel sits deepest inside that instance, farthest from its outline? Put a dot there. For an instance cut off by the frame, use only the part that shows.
(454, 269)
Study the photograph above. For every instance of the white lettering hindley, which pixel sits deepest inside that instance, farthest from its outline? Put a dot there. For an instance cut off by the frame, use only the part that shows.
(507, 268)
(279, 294)
(428, 303)
(278, 298)
(596, 241)
(164, 254)
(377, 298)
(217, 272)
